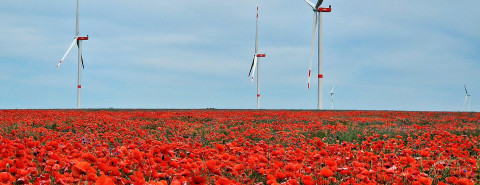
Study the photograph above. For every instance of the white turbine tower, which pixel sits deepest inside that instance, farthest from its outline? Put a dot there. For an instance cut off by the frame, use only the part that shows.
(317, 14)
(331, 95)
(467, 98)
(78, 40)
(256, 64)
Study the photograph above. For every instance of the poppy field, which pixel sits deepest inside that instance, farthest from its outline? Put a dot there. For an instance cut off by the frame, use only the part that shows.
(176, 147)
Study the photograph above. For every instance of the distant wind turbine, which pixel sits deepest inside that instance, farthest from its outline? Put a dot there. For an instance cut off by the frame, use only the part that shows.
(78, 40)
(317, 12)
(331, 95)
(467, 98)
(256, 64)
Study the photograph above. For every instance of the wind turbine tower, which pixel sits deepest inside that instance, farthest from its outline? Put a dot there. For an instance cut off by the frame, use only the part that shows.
(331, 95)
(317, 16)
(467, 98)
(77, 40)
(256, 64)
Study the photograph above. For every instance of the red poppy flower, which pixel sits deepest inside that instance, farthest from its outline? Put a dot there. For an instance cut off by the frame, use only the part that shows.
(80, 168)
(325, 172)
(104, 180)
(198, 180)
(331, 163)
(5, 177)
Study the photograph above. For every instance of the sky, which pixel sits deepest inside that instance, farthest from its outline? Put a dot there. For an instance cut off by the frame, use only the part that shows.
(379, 55)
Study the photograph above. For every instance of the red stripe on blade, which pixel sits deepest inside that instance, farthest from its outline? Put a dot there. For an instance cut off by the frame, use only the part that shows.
(320, 76)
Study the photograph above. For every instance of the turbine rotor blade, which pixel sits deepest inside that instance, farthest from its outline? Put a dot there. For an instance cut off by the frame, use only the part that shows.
(313, 45)
(68, 51)
(256, 34)
(252, 70)
(76, 22)
(319, 3)
(466, 92)
(465, 101)
(251, 67)
(310, 3)
(81, 55)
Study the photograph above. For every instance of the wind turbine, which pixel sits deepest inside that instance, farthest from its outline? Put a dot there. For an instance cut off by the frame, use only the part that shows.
(331, 95)
(467, 98)
(317, 15)
(78, 40)
(256, 64)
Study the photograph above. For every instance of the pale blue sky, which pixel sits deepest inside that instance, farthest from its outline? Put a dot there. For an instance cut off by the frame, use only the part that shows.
(380, 55)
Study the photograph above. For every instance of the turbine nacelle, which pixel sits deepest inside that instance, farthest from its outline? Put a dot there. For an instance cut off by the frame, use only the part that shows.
(321, 9)
(261, 55)
(82, 38)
